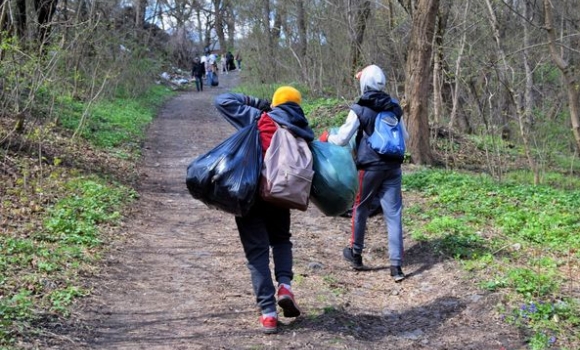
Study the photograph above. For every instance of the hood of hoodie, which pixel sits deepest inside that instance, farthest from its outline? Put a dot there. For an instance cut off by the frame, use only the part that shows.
(372, 78)
(291, 116)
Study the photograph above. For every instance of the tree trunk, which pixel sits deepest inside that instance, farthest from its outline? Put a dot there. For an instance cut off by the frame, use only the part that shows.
(207, 34)
(303, 39)
(230, 19)
(525, 116)
(438, 66)
(270, 61)
(568, 71)
(3, 16)
(501, 69)
(417, 85)
(20, 19)
(140, 7)
(391, 19)
(509, 85)
(5, 25)
(408, 6)
(455, 97)
(45, 10)
(279, 20)
(219, 24)
(358, 32)
(199, 26)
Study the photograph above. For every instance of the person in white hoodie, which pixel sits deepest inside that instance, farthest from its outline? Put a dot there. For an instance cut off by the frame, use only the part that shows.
(379, 175)
(223, 64)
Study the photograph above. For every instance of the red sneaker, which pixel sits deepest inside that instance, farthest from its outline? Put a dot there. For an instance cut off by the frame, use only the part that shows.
(287, 303)
(269, 324)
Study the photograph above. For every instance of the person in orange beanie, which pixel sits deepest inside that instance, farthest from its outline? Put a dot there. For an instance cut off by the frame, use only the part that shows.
(267, 226)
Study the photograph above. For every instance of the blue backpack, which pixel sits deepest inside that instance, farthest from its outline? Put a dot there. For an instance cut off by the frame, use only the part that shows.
(388, 138)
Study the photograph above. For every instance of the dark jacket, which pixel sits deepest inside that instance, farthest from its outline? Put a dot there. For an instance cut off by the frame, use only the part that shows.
(198, 69)
(240, 110)
(367, 108)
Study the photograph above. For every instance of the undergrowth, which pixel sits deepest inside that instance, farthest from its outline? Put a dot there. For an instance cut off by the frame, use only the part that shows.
(40, 268)
(517, 238)
(111, 124)
(58, 213)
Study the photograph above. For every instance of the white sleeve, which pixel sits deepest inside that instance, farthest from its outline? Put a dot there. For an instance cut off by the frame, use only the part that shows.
(346, 131)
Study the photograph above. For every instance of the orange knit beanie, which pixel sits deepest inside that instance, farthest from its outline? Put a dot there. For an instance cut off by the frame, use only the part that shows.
(286, 94)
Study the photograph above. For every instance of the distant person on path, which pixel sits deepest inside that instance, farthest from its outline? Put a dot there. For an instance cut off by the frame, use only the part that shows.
(203, 60)
(239, 60)
(197, 73)
(223, 63)
(379, 175)
(267, 225)
(230, 61)
(210, 70)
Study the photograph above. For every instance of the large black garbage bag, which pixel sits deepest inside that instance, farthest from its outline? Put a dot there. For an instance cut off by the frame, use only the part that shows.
(335, 181)
(227, 177)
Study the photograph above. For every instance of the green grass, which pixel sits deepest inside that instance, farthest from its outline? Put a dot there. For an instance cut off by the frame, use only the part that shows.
(266, 91)
(75, 219)
(563, 180)
(115, 123)
(325, 113)
(545, 321)
(538, 216)
(38, 272)
(41, 260)
(513, 237)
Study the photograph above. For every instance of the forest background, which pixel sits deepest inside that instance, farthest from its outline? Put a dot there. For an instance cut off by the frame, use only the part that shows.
(487, 86)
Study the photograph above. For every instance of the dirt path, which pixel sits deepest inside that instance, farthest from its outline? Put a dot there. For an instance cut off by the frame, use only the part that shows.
(180, 280)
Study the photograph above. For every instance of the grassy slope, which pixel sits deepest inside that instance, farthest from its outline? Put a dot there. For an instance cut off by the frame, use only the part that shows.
(61, 197)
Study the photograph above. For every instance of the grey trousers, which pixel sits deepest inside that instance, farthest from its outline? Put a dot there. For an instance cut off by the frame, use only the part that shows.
(386, 184)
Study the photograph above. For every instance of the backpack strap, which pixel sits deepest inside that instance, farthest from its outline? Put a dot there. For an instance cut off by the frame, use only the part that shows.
(366, 126)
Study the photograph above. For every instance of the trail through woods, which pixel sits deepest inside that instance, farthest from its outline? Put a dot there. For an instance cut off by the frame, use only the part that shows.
(179, 280)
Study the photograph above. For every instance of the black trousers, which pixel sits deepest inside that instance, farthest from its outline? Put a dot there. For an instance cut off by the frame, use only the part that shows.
(266, 226)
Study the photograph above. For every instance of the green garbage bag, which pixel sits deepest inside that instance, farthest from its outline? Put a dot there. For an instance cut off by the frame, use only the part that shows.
(335, 181)
(351, 145)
